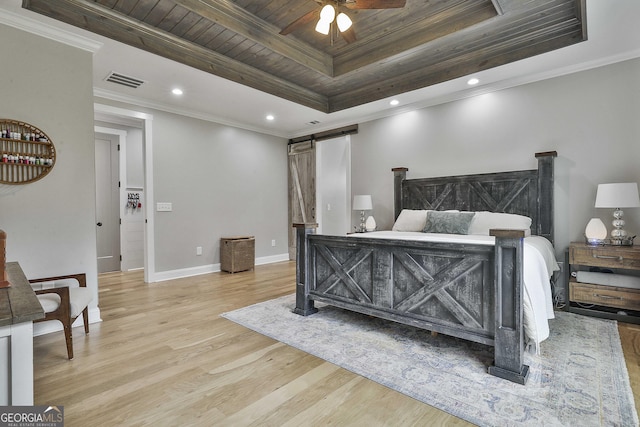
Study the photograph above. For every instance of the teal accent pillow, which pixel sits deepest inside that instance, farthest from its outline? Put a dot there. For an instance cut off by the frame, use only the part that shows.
(448, 222)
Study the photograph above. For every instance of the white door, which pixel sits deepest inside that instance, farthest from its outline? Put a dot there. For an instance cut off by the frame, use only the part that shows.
(107, 203)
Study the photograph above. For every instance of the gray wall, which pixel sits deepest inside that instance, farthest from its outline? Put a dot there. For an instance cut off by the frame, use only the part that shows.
(222, 181)
(590, 118)
(225, 181)
(50, 223)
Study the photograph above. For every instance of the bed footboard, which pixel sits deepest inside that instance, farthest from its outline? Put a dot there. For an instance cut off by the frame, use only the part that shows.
(468, 291)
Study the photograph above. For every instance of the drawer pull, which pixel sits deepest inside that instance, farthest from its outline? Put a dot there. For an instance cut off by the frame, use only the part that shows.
(619, 258)
(607, 297)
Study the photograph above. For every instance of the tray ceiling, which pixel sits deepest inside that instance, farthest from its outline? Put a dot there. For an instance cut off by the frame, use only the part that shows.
(395, 50)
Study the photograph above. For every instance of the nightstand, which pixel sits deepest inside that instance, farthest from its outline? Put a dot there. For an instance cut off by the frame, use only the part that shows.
(609, 302)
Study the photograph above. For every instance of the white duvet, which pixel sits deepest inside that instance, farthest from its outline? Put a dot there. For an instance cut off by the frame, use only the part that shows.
(539, 265)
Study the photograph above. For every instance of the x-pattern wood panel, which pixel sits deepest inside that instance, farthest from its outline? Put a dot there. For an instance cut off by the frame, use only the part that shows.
(513, 190)
(494, 196)
(432, 286)
(435, 286)
(342, 272)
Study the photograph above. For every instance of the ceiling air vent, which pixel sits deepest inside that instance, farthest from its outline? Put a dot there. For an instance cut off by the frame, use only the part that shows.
(313, 122)
(121, 79)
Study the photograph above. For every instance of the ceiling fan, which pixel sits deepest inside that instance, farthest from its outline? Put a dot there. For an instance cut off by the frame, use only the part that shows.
(330, 13)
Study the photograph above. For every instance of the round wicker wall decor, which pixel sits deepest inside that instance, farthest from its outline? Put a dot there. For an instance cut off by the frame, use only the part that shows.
(26, 153)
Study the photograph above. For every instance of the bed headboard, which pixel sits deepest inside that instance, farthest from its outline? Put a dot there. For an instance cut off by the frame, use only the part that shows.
(526, 192)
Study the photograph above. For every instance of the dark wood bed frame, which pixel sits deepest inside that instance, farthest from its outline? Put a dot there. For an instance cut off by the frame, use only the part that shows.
(469, 291)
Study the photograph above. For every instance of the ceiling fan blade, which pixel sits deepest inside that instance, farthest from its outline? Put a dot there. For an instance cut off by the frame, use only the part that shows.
(375, 4)
(312, 16)
(349, 36)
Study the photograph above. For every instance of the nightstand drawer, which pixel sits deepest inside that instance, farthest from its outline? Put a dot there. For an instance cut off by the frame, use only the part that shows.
(605, 256)
(604, 295)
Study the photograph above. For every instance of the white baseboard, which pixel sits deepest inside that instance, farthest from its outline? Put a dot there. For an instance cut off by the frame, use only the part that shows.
(55, 326)
(272, 259)
(210, 268)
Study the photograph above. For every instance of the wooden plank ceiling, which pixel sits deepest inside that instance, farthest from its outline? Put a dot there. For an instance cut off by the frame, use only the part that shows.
(395, 51)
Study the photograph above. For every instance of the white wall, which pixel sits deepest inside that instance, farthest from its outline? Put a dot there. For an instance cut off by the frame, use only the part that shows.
(333, 185)
(590, 118)
(132, 242)
(135, 170)
(50, 223)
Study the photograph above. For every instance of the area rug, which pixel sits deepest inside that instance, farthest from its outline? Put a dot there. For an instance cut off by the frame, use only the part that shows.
(578, 379)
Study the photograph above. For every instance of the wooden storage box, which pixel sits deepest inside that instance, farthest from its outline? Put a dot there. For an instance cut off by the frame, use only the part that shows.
(237, 253)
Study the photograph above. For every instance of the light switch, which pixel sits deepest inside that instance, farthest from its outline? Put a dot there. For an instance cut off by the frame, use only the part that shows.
(164, 207)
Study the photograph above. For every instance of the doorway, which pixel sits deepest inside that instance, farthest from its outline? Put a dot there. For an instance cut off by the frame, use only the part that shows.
(107, 163)
(114, 116)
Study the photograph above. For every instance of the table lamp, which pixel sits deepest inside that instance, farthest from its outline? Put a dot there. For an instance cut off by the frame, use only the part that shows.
(617, 196)
(362, 203)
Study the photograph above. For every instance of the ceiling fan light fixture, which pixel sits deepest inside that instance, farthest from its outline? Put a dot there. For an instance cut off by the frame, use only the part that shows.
(344, 22)
(328, 14)
(323, 27)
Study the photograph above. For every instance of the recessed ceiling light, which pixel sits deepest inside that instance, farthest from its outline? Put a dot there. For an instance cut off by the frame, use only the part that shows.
(394, 102)
(177, 91)
(473, 81)
(270, 117)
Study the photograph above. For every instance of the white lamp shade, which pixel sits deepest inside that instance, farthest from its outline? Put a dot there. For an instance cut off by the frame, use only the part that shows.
(344, 22)
(362, 203)
(618, 195)
(595, 230)
(323, 27)
(328, 13)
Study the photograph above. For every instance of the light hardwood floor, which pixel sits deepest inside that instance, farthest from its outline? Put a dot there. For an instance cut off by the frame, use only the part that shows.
(164, 357)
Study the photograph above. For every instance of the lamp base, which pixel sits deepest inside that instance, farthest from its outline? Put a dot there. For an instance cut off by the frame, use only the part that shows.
(623, 241)
(596, 242)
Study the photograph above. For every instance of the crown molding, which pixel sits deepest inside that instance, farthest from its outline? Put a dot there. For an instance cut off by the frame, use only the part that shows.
(453, 96)
(39, 28)
(114, 96)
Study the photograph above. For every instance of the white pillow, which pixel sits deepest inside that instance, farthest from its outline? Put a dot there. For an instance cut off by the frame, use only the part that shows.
(484, 221)
(410, 220)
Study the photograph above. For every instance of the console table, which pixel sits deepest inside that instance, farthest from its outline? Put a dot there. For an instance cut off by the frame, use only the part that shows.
(19, 307)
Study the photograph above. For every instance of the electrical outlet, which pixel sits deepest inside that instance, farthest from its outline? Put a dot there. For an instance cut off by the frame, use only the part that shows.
(561, 265)
(199, 250)
(273, 242)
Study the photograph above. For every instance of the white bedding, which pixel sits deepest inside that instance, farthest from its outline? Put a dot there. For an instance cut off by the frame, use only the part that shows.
(539, 265)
